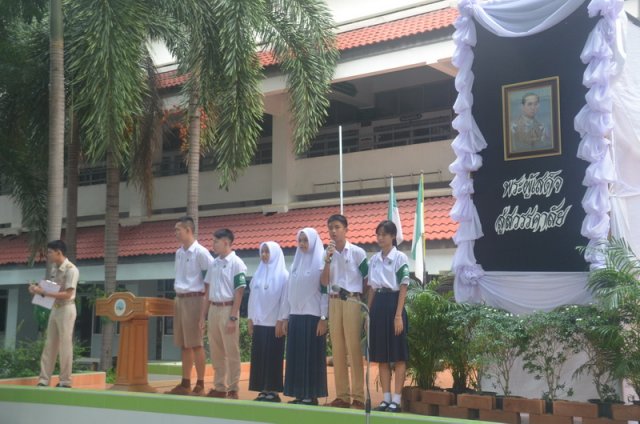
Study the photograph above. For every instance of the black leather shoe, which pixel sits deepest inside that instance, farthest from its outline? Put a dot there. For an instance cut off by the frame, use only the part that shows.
(42, 385)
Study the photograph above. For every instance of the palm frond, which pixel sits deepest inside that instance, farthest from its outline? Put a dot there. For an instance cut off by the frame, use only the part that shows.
(107, 44)
(300, 33)
(618, 283)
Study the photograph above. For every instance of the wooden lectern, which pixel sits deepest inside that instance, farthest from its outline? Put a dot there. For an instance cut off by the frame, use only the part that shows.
(133, 314)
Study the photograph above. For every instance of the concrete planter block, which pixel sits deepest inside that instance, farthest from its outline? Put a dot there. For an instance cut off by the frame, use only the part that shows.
(603, 421)
(507, 417)
(423, 408)
(575, 409)
(549, 419)
(458, 412)
(476, 401)
(411, 393)
(529, 406)
(625, 412)
(437, 397)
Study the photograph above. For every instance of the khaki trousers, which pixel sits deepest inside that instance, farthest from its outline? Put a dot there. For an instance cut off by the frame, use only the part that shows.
(225, 349)
(345, 329)
(59, 340)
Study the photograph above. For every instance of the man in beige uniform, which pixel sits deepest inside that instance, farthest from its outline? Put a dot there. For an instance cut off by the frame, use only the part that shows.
(62, 317)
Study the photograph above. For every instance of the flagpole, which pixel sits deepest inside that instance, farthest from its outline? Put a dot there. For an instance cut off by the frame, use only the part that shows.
(341, 176)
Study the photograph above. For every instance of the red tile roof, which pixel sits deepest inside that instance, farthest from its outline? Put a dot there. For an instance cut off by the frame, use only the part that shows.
(388, 31)
(157, 238)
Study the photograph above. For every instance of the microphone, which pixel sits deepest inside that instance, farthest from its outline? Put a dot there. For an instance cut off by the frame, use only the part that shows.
(332, 247)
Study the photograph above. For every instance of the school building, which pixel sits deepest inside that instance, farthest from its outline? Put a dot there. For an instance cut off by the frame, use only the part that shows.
(393, 94)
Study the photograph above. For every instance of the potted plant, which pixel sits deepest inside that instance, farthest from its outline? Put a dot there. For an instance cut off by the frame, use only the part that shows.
(598, 332)
(617, 287)
(427, 314)
(460, 354)
(551, 342)
(498, 339)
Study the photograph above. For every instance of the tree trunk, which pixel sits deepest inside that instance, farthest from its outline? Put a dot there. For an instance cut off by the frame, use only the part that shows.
(56, 123)
(73, 154)
(111, 237)
(193, 162)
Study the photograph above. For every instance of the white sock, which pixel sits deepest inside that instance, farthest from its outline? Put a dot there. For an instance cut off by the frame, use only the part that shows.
(396, 398)
(387, 397)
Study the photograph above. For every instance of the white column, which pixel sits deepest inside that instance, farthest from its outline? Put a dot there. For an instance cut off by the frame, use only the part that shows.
(12, 319)
(283, 159)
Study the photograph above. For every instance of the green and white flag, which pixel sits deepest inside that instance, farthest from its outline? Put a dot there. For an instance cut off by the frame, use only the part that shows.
(417, 245)
(393, 214)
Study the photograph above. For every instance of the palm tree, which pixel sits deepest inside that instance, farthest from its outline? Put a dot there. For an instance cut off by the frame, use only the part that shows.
(23, 119)
(108, 62)
(55, 180)
(221, 58)
(617, 287)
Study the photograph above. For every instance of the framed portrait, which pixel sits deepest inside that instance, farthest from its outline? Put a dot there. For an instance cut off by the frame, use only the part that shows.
(531, 119)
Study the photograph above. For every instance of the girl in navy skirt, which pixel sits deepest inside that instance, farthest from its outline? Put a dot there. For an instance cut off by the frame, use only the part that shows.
(268, 289)
(304, 320)
(388, 281)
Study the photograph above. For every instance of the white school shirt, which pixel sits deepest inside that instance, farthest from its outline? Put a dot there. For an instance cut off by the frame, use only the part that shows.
(225, 275)
(390, 272)
(190, 264)
(348, 268)
(317, 303)
(268, 288)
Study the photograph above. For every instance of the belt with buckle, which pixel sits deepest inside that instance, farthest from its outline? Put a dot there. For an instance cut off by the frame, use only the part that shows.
(384, 290)
(190, 294)
(228, 303)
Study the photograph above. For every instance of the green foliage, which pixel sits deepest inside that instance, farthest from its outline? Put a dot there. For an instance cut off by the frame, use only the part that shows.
(598, 333)
(427, 312)
(551, 342)
(245, 341)
(497, 340)
(460, 355)
(23, 123)
(24, 360)
(617, 289)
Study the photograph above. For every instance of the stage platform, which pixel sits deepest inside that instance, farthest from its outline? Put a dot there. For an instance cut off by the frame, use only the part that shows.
(31, 405)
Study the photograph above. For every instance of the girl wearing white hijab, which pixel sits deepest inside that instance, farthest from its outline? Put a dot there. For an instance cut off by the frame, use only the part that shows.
(268, 290)
(304, 320)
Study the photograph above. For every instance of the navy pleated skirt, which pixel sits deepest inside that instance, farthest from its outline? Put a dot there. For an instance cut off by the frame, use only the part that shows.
(385, 346)
(306, 369)
(267, 353)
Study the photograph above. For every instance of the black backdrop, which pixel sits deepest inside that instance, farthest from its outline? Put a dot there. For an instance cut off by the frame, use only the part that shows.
(500, 61)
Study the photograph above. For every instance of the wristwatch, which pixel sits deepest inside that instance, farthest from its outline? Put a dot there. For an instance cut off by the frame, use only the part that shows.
(232, 318)
(323, 318)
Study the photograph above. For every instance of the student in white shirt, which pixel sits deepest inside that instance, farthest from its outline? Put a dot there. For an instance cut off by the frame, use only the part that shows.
(192, 261)
(268, 290)
(388, 282)
(304, 321)
(225, 283)
(344, 273)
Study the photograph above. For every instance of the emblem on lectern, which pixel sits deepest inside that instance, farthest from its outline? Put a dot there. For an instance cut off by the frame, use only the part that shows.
(119, 307)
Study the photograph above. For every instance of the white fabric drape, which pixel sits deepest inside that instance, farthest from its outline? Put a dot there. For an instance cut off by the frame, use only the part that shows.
(519, 18)
(625, 192)
(603, 54)
(522, 293)
(595, 123)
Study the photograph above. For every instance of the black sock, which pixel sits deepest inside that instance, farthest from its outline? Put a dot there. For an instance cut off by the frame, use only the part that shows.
(186, 383)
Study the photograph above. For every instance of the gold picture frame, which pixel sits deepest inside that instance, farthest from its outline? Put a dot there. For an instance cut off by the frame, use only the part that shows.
(531, 119)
